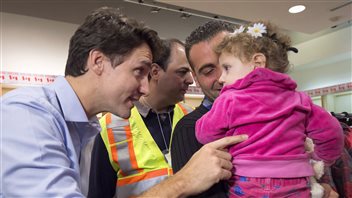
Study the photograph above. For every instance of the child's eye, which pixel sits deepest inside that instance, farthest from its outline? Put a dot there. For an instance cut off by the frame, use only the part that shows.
(226, 68)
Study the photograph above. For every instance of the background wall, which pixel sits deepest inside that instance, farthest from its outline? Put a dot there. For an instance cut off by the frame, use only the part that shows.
(323, 61)
(323, 76)
(33, 45)
(39, 46)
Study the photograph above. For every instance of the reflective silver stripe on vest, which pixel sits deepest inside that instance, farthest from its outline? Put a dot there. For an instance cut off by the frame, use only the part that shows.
(186, 107)
(118, 126)
(138, 187)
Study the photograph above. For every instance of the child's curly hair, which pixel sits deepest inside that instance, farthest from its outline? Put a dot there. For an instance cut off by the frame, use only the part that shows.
(272, 44)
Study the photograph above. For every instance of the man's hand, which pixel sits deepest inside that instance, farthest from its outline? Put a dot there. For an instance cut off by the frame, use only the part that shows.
(209, 165)
(328, 191)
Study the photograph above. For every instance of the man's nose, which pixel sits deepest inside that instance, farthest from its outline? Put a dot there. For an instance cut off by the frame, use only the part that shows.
(189, 78)
(144, 88)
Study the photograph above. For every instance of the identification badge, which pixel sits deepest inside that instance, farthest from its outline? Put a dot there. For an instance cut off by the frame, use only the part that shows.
(168, 158)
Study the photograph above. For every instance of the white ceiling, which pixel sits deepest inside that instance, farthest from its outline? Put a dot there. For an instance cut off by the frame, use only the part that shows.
(315, 21)
(318, 16)
(74, 12)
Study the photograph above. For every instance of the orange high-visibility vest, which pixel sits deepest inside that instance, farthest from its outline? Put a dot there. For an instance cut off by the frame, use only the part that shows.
(133, 153)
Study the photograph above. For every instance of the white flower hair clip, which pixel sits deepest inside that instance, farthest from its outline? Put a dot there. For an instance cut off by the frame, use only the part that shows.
(239, 30)
(257, 30)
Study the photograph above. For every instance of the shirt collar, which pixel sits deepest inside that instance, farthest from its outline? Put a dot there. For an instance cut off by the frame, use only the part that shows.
(144, 110)
(207, 103)
(70, 105)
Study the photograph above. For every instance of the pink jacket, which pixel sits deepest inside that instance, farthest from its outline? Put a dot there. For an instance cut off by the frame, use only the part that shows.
(265, 106)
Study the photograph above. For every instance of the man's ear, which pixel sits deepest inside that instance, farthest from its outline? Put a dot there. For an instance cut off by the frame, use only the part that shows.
(155, 71)
(259, 60)
(95, 61)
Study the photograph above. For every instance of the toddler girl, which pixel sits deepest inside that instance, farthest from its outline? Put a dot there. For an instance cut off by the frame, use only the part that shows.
(259, 100)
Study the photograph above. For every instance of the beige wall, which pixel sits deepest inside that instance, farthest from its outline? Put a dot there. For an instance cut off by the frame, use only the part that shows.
(193, 101)
(4, 90)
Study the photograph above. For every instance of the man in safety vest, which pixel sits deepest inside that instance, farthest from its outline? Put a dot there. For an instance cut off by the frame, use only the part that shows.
(132, 155)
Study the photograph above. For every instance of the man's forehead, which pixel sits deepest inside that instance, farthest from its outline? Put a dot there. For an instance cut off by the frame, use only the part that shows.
(177, 53)
(149, 53)
(147, 63)
(209, 43)
(202, 53)
(178, 49)
(218, 38)
(144, 59)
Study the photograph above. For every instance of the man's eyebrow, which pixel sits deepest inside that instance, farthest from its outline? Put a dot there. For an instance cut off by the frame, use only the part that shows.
(205, 66)
(184, 67)
(147, 63)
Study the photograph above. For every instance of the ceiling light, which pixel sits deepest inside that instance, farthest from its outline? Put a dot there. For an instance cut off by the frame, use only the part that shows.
(185, 16)
(297, 9)
(154, 10)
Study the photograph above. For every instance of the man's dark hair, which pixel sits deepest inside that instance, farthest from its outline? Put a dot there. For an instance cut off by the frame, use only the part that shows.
(164, 59)
(206, 32)
(112, 33)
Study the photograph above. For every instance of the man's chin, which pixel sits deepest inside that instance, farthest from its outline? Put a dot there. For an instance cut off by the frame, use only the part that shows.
(179, 99)
(213, 96)
(125, 115)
